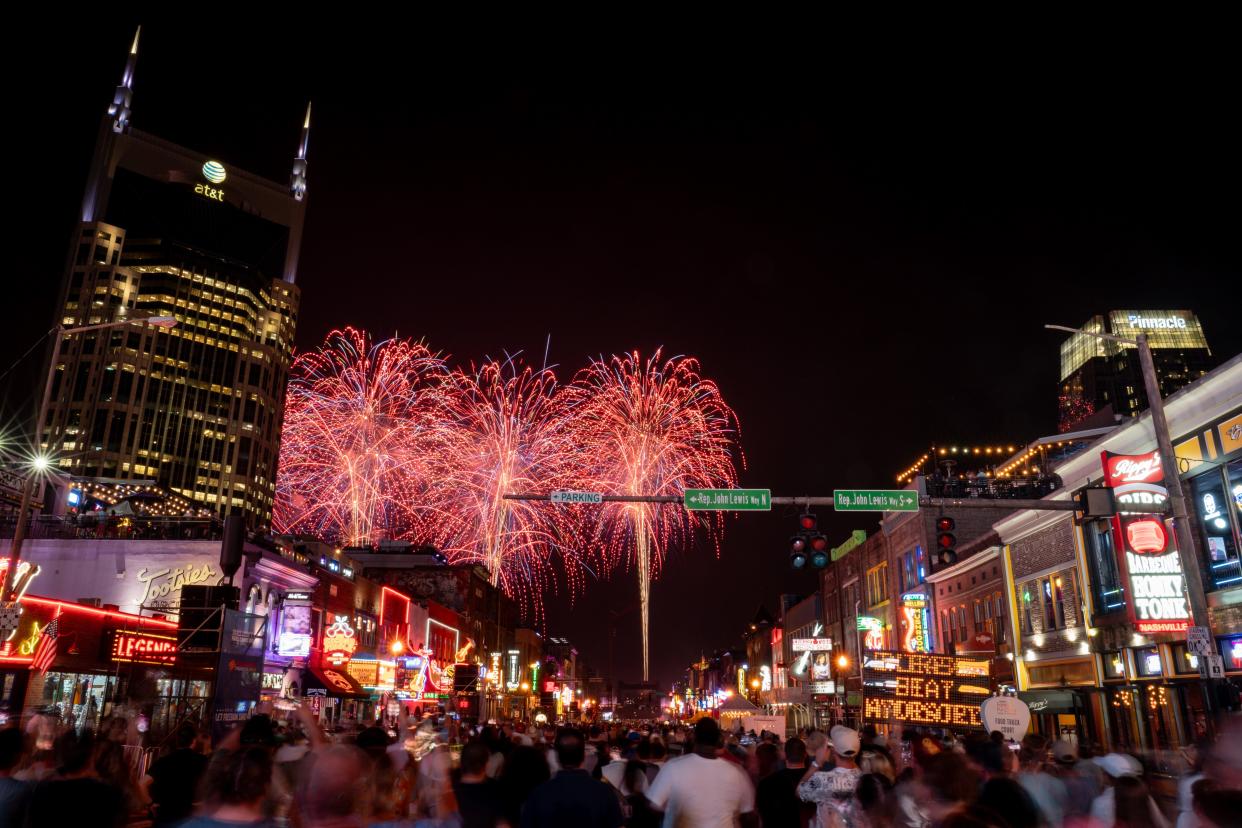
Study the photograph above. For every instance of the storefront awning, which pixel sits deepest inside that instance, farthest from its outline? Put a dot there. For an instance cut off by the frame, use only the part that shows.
(1048, 701)
(329, 681)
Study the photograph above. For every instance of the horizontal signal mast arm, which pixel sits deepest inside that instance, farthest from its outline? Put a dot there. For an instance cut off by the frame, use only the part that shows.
(927, 502)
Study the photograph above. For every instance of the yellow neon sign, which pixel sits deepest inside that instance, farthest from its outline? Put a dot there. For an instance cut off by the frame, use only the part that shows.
(30, 643)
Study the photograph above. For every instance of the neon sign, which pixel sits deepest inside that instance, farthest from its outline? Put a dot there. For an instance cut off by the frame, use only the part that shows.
(1157, 597)
(493, 672)
(874, 629)
(513, 672)
(916, 626)
(925, 688)
(26, 572)
(365, 671)
(30, 642)
(339, 643)
(144, 648)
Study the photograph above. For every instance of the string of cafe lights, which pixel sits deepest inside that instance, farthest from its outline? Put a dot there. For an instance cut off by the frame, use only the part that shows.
(1016, 465)
(1032, 452)
(953, 451)
(147, 501)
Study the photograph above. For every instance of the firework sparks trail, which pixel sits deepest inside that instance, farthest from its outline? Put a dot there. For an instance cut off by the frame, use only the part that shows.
(654, 428)
(356, 437)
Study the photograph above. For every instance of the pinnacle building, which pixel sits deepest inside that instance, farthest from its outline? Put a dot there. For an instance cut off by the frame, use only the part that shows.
(167, 231)
(1100, 376)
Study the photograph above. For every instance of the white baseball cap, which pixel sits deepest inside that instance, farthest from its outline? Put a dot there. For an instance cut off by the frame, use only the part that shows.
(1118, 765)
(844, 740)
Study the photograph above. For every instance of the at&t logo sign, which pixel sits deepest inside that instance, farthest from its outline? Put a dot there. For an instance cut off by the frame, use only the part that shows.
(215, 173)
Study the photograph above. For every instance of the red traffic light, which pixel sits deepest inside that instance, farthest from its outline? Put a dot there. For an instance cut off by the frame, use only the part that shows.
(819, 543)
(946, 541)
(808, 522)
(945, 524)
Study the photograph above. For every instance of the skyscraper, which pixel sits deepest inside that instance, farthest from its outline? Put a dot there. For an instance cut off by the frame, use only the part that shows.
(167, 231)
(1099, 376)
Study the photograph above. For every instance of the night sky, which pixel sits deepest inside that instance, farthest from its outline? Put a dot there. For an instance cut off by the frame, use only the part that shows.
(861, 246)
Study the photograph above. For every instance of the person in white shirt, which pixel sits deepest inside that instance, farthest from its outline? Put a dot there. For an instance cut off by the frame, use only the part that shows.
(702, 790)
(832, 790)
(1123, 771)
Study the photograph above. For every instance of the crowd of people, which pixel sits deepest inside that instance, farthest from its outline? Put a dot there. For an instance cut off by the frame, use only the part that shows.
(440, 773)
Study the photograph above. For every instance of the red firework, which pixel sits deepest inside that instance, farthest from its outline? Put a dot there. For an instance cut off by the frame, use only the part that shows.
(356, 440)
(507, 431)
(652, 428)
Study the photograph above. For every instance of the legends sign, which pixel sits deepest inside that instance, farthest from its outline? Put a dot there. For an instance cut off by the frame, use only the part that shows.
(924, 688)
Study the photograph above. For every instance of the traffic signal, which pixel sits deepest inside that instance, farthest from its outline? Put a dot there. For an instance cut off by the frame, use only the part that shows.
(946, 541)
(819, 551)
(809, 545)
(797, 551)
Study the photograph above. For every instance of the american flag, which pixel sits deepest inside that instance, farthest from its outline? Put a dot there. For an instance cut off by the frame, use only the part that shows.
(45, 652)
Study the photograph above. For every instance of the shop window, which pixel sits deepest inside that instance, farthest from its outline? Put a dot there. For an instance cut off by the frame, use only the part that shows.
(1114, 665)
(877, 585)
(1185, 663)
(1052, 675)
(1231, 651)
(1027, 621)
(999, 613)
(1052, 595)
(1147, 661)
(1105, 576)
(1216, 516)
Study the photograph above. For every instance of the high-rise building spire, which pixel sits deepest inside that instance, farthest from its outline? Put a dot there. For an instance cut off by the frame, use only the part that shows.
(119, 110)
(298, 184)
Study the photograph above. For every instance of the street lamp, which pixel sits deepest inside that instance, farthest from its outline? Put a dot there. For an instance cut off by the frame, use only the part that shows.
(41, 462)
(1168, 464)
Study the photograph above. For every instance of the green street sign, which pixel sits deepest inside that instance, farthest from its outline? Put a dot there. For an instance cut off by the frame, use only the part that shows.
(728, 500)
(875, 500)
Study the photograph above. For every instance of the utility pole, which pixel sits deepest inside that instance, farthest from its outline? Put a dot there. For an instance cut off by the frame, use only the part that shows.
(1168, 465)
(1173, 481)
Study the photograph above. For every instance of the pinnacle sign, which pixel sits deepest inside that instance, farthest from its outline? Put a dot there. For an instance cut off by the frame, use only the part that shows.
(875, 500)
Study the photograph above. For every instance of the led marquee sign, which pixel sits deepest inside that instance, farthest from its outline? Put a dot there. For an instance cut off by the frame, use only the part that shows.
(1157, 597)
(143, 648)
(924, 688)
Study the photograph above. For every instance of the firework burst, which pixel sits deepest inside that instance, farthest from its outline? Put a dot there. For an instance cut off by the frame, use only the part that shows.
(356, 438)
(648, 427)
(508, 432)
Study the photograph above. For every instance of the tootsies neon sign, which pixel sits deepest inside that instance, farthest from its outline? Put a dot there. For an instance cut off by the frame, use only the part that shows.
(1157, 598)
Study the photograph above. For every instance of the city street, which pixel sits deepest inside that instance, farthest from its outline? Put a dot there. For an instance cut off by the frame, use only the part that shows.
(396, 430)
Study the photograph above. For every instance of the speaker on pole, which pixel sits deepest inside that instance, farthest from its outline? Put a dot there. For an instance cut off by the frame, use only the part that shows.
(231, 547)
